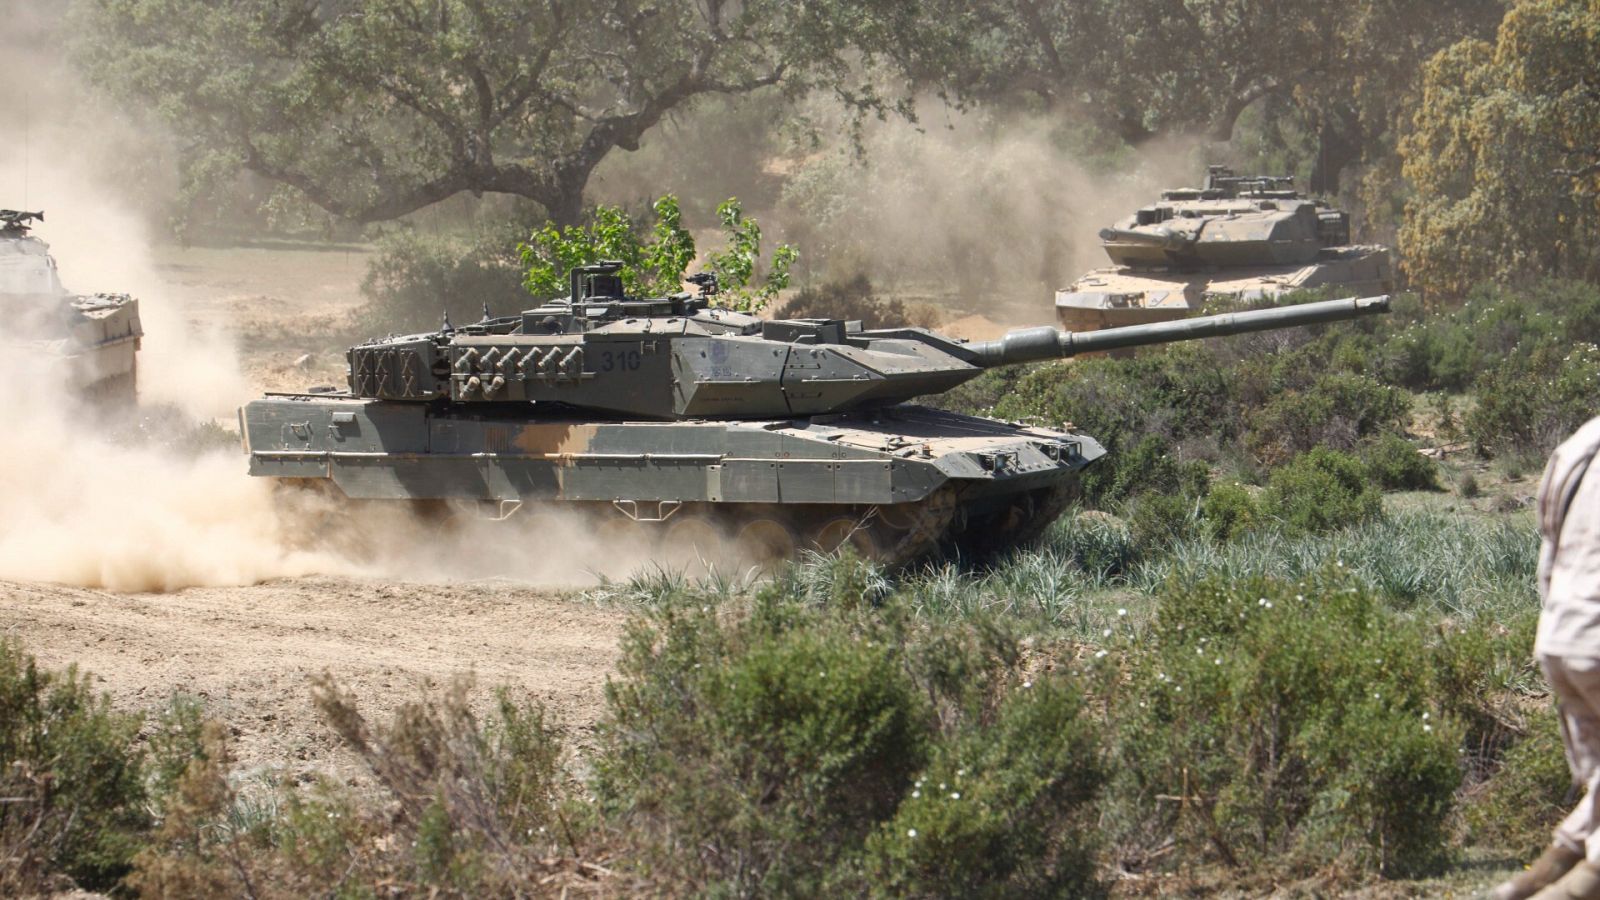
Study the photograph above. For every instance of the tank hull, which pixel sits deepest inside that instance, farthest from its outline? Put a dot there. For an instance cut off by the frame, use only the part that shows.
(1119, 296)
(910, 478)
(86, 344)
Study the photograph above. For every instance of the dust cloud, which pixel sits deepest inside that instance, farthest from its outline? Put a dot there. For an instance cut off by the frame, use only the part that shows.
(991, 211)
(149, 499)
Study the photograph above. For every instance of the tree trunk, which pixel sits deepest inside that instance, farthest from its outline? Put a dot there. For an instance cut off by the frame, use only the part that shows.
(1339, 143)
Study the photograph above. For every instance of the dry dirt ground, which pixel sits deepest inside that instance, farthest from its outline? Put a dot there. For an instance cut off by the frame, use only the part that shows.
(249, 652)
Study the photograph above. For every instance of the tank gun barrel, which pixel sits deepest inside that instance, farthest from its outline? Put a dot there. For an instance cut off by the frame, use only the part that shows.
(1031, 344)
(1163, 238)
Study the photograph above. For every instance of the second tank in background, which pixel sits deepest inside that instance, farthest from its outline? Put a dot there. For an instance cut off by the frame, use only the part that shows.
(1239, 237)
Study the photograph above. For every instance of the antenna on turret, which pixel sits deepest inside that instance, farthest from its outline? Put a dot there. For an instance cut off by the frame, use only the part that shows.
(447, 328)
(485, 310)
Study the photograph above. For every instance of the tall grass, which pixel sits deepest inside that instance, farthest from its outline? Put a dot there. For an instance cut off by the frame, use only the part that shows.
(1089, 574)
(1417, 561)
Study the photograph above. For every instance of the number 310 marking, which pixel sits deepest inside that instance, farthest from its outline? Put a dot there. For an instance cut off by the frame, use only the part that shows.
(625, 360)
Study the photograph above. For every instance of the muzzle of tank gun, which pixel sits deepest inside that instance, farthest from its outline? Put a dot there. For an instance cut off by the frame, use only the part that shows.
(1031, 344)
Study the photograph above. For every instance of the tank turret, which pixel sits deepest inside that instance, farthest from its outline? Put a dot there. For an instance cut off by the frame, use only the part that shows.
(683, 421)
(681, 358)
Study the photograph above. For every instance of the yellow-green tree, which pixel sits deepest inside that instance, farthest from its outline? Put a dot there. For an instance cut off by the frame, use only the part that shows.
(1504, 154)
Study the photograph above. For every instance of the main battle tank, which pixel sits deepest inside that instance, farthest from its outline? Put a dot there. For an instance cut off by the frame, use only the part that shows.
(89, 340)
(1239, 237)
(675, 420)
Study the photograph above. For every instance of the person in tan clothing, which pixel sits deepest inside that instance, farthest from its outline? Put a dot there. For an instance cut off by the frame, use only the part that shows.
(1568, 649)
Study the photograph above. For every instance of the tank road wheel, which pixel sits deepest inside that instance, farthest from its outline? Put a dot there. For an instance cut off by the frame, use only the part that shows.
(765, 544)
(620, 534)
(694, 541)
(836, 532)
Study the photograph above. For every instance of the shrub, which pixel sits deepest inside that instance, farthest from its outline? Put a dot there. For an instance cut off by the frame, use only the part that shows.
(1529, 403)
(745, 755)
(417, 279)
(1159, 519)
(999, 812)
(74, 787)
(1271, 741)
(778, 751)
(1527, 795)
(1395, 465)
(1228, 511)
(853, 299)
(1148, 465)
(468, 808)
(1336, 411)
(1321, 490)
(654, 264)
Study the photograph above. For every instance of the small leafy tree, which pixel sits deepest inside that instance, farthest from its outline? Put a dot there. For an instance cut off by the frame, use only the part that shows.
(655, 264)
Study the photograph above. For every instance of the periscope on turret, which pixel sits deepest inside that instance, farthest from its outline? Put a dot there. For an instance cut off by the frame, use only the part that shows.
(88, 342)
(675, 422)
(1239, 238)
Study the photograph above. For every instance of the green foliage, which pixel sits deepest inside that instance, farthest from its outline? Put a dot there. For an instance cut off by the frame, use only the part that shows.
(1335, 411)
(1274, 741)
(1527, 795)
(736, 265)
(373, 109)
(749, 754)
(761, 751)
(655, 266)
(1529, 403)
(1395, 465)
(1160, 519)
(74, 790)
(417, 279)
(1501, 154)
(1229, 511)
(1000, 812)
(1322, 490)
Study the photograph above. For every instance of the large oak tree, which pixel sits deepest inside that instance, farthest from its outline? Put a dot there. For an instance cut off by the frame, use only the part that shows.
(373, 109)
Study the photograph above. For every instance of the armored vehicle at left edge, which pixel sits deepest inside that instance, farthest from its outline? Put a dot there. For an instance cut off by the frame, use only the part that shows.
(681, 425)
(88, 341)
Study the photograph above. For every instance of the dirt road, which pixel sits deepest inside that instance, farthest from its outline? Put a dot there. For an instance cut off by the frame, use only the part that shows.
(248, 652)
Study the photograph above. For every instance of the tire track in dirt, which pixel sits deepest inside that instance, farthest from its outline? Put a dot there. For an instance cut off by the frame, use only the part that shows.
(249, 652)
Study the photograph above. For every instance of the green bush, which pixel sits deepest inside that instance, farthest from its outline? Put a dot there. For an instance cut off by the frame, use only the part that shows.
(654, 264)
(1228, 511)
(1254, 736)
(74, 787)
(1529, 403)
(417, 280)
(1149, 465)
(1396, 465)
(1336, 411)
(1158, 520)
(779, 751)
(853, 299)
(1527, 795)
(1320, 491)
(745, 755)
(1004, 811)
